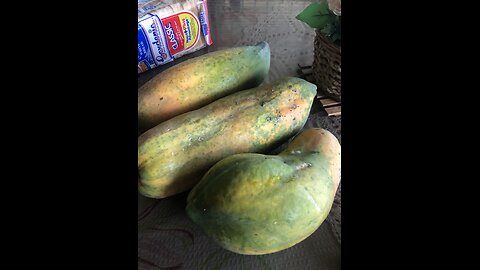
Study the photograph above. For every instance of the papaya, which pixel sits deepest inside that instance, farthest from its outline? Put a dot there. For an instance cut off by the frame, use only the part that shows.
(255, 204)
(197, 82)
(174, 155)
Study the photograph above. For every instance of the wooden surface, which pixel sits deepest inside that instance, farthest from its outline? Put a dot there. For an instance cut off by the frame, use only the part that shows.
(167, 239)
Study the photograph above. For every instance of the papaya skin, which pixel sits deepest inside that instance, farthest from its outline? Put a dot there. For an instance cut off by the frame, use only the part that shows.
(199, 81)
(257, 204)
(174, 155)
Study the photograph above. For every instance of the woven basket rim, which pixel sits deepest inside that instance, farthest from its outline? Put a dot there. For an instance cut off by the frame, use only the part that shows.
(328, 42)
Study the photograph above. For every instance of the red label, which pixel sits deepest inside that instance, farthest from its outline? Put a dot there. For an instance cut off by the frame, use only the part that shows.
(173, 33)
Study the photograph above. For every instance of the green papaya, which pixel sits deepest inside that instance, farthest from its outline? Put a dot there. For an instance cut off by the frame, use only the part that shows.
(174, 155)
(197, 82)
(259, 204)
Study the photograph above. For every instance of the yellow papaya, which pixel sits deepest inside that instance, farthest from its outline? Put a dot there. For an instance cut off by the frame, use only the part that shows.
(174, 155)
(197, 82)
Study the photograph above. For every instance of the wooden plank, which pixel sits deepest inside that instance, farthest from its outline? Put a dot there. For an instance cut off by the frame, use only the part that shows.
(307, 72)
(330, 102)
(332, 107)
(304, 67)
(334, 111)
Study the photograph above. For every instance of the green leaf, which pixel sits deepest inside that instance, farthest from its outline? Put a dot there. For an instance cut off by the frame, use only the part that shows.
(316, 15)
(335, 36)
(338, 27)
(328, 30)
(323, 8)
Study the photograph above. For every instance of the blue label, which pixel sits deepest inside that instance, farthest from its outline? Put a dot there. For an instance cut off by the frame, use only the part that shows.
(145, 57)
(152, 45)
(203, 22)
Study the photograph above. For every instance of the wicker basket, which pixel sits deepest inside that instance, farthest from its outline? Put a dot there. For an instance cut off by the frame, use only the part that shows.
(326, 67)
